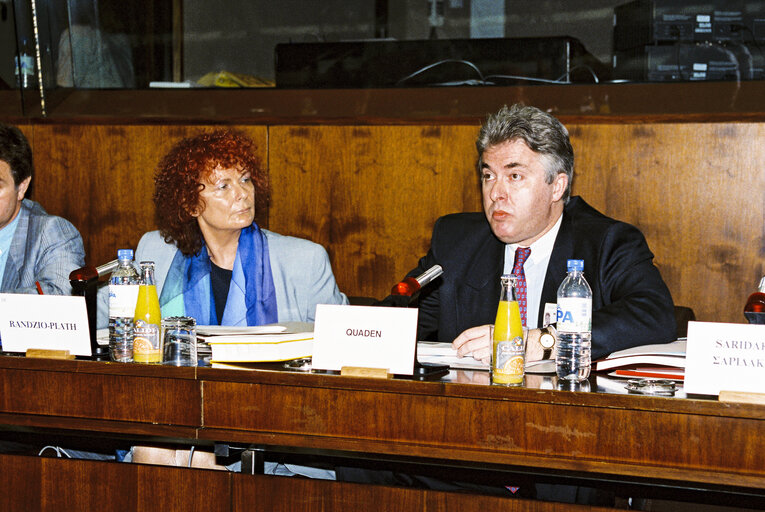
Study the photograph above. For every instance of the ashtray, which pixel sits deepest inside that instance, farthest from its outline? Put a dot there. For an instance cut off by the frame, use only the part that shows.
(664, 387)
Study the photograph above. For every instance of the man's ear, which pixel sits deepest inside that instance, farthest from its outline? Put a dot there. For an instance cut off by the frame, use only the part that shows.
(559, 185)
(22, 188)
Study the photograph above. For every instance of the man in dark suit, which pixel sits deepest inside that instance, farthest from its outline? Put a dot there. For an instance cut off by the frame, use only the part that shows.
(526, 162)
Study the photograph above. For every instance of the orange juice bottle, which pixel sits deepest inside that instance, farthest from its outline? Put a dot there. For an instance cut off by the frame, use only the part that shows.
(508, 351)
(147, 318)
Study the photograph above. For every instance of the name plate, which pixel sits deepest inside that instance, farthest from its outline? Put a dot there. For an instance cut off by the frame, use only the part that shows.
(52, 322)
(364, 336)
(724, 357)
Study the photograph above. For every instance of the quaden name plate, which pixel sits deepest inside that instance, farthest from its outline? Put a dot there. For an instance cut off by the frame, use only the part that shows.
(724, 357)
(365, 337)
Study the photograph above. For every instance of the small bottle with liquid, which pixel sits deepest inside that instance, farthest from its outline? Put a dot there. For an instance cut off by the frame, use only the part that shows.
(754, 311)
(508, 340)
(148, 318)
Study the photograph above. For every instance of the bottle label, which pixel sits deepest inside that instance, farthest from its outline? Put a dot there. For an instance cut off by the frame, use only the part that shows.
(122, 300)
(27, 64)
(146, 342)
(574, 315)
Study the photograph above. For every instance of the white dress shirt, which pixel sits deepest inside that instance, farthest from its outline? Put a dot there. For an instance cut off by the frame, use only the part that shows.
(535, 269)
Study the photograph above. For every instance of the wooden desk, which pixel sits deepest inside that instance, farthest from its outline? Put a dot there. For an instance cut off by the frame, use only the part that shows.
(624, 437)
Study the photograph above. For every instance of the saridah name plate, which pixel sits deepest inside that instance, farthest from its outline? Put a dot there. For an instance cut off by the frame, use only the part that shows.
(724, 357)
(51, 322)
(366, 337)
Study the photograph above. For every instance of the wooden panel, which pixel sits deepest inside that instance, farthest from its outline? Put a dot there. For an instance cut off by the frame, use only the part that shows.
(697, 192)
(100, 177)
(22, 482)
(581, 434)
(104, 397)
(502, 430)
(370, 194)
(600, 103)
(278, 494)
(52, 485)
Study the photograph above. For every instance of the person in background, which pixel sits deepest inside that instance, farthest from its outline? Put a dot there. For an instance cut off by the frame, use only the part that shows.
(93, 50)
(35, 247)
(525, 164)
(213, 262)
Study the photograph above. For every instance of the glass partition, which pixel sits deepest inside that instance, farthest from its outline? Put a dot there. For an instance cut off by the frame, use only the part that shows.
(118, 44)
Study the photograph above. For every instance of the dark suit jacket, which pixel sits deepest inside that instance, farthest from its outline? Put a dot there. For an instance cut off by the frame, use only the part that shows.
(630, 302)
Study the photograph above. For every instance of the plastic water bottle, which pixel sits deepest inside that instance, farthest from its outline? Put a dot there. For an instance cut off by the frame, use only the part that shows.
(24, 68)
(123, 295)
(574, 325)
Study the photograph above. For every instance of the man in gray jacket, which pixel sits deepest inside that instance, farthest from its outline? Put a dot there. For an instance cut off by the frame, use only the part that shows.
(35, 247)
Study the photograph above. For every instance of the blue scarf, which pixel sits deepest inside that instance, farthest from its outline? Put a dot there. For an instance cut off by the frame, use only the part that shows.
(187, 290)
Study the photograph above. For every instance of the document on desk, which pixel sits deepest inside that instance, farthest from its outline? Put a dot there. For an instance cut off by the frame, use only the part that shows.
(233, 330)
(275, 342)
(441, 352)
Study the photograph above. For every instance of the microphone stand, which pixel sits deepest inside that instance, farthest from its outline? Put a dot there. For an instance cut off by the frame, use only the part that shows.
(401, 295)
(84, 281)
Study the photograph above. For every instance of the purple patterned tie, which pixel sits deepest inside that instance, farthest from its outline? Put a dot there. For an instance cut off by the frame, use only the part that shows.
(521, 253)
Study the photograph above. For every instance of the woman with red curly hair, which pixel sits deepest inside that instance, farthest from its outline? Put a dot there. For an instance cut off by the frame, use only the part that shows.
(213, 262)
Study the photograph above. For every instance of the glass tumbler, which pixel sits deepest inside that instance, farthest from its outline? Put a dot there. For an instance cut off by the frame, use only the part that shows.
(179, 341)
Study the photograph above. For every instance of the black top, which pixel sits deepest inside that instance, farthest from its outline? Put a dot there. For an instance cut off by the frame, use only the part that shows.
(221, 281)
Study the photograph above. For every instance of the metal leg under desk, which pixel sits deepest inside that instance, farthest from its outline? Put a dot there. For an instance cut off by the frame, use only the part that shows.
(253, 461)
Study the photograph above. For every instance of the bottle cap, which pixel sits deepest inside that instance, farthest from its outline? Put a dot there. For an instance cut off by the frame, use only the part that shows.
(577, 265)
(125, 254)
(762, 285)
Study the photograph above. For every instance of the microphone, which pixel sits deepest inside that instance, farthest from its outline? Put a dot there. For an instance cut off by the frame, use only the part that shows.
(401, 295)
(84, 281)
(88, 273)
(407, 289)
(411, 285)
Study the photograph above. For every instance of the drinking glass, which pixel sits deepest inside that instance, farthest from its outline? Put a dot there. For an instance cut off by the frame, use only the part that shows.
(179, 341)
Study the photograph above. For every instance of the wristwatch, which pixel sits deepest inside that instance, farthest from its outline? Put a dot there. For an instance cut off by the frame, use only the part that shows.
(547, 340)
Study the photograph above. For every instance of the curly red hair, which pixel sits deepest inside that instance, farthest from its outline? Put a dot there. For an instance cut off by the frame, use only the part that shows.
(179, 176)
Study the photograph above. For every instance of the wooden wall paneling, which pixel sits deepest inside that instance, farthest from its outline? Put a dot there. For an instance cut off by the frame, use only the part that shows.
(696, 191)
(370, 194)
(100, 177)
(279, 494)
(21, 482)
(52, 485)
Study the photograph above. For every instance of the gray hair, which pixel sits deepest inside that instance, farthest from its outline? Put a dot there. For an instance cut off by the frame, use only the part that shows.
(541, 132)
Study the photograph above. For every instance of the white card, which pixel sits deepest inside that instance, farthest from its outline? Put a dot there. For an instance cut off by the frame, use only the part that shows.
(724, 357)
(366, 337)
(550, 314)
(52, 322)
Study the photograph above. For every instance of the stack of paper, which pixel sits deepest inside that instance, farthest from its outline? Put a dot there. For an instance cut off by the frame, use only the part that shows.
(277, 342)
(438, 352)
(663, 361)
